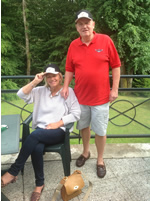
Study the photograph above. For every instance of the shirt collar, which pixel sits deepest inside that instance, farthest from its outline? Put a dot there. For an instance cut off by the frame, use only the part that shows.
(57, 94)
(93, 40)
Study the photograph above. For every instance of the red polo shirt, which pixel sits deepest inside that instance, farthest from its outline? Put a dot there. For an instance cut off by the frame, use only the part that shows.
(91, 67)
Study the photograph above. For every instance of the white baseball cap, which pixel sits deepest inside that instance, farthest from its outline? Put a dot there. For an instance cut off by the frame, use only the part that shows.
(51, 68)
(83, 14)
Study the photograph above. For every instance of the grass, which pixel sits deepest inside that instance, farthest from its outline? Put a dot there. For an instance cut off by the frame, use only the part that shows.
(125, 124)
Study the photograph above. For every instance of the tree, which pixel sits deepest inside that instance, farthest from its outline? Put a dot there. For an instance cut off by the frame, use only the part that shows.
(127, 22)
(50, 28)
(48, 24)
(24, 8)
(51, 31)
(11, 38)
(12, 49)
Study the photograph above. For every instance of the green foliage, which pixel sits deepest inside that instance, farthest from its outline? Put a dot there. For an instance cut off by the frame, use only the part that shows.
(8, 84)
(12, 48)
(52, 25)
(12, 37)
(128, 24)
(52, 28)
(9, 60)
(141, 82)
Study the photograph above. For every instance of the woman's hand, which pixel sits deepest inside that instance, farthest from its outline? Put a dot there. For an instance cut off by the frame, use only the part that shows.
(39, 77)
(55, 125)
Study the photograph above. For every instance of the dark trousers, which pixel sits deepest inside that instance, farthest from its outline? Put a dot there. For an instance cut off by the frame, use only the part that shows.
(34, 146)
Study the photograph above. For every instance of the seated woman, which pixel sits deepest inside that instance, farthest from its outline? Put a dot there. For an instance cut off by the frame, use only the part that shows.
(50, 115)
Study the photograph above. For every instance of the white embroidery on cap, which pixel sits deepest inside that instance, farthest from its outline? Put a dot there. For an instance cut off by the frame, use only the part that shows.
(83, 14)
(50, 69)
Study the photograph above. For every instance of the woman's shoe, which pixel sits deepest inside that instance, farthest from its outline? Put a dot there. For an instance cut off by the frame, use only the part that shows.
(36, 195)
(12, 180)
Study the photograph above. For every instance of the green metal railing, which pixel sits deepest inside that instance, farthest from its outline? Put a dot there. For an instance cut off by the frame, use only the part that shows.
(112, 107)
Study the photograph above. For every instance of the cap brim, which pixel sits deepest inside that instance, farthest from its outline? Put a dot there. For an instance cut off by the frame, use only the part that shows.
(51, 73)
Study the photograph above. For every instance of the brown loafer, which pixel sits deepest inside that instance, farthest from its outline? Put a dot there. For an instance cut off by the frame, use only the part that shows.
(101, 170)
(81, 160)
(36, 196)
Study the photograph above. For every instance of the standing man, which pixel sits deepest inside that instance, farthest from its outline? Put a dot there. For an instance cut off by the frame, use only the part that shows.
(90, 57)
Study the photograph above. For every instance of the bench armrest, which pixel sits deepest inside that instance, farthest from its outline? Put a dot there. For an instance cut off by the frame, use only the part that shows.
(27, 120)
(68, 126)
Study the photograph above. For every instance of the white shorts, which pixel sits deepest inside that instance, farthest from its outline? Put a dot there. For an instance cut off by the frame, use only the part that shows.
(97, 116)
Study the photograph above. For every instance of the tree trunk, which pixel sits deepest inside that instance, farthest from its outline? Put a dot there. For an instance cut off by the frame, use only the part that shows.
(123, 81)
(26, 37)
(130, 80)
(126, 82)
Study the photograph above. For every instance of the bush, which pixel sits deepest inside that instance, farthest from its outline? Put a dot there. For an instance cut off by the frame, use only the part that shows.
(141, 83)
(8, 84)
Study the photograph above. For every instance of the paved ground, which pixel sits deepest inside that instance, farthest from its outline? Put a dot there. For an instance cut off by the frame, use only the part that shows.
(127, 179)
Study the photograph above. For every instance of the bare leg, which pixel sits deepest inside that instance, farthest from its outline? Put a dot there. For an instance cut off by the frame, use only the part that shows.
(86, 134)
(38, 188)
(100, 142)
(7, 178)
